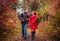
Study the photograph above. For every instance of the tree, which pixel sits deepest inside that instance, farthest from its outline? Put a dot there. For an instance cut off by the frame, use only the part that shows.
(34, 5)
(9, 22)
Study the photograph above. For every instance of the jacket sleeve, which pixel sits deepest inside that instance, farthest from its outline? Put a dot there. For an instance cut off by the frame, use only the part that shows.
(20, 16)
(28, 18)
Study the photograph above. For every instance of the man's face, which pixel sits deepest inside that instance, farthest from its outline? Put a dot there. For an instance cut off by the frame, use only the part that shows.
(26, 10)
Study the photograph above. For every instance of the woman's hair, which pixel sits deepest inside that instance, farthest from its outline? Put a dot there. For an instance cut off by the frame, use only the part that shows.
(34, 13)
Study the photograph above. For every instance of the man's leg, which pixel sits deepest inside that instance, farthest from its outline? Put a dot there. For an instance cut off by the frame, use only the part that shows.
(25, 31)
(22, 30)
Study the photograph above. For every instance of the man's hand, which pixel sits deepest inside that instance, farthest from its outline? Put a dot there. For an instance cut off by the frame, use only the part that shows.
(22, 20)
(26, 18)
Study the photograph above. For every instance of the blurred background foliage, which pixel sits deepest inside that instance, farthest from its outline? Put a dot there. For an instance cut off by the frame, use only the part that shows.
(10, 25)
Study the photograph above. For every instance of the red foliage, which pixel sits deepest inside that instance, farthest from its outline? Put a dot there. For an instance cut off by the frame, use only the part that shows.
(54, 7)
(14, 1)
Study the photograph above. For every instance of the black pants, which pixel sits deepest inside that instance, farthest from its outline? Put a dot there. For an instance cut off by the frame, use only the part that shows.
(33, 34)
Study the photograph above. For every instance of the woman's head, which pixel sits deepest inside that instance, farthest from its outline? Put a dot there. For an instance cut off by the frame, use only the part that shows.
(34, 13)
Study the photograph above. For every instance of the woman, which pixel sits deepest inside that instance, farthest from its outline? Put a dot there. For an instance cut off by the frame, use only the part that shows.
(33, 23)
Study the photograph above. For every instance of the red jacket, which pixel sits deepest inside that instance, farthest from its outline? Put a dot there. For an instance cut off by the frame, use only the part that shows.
(32, 21)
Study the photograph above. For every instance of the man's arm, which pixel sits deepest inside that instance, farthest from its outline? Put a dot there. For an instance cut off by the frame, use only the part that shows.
(27, 17)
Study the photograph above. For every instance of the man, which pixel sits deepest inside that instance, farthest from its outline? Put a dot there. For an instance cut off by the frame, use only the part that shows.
(24, 21)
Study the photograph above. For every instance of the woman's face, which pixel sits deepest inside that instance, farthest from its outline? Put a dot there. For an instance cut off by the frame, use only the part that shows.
(32, 13)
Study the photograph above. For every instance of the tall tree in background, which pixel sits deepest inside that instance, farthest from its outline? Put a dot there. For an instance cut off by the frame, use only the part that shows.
(55, 11)
(34, 5)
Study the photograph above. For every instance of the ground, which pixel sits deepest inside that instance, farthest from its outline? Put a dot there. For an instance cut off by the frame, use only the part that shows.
(39, 36)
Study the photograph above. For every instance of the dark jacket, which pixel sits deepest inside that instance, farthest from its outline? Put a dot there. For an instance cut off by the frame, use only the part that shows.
(24, 18)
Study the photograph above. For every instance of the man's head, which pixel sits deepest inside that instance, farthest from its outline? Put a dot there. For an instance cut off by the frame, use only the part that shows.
(26, 10)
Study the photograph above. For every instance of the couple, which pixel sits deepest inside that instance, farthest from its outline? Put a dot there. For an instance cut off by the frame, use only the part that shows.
(25, 18)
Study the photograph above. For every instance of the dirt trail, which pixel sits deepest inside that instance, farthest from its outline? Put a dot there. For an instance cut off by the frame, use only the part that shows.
(40, 35)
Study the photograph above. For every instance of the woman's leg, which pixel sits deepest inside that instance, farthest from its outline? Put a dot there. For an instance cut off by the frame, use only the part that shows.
(33, 34)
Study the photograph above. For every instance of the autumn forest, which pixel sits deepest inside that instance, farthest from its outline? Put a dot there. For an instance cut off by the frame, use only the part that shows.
(10, 24)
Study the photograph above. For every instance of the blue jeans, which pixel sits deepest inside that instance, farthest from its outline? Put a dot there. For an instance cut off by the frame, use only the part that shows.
(24, 30)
